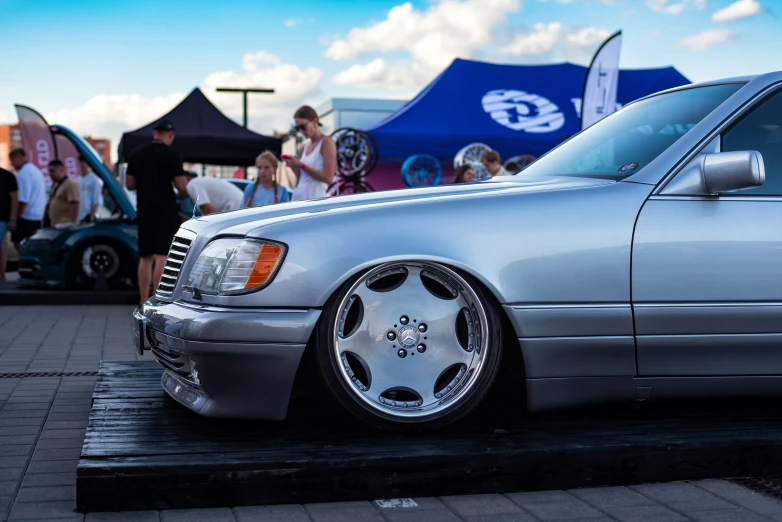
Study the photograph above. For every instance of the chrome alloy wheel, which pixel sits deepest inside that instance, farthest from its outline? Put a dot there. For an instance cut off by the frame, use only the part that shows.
(409, 339)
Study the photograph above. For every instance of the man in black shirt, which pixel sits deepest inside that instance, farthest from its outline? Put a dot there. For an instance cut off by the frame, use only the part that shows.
(152, 168)
(8, 210)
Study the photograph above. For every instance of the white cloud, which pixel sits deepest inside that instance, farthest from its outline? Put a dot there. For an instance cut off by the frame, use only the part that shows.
(736, 10)
(292, 86)
(380, 74)
(291, 22)
(432, 37)
(111, 115)
(449, 29)
(604, 2)
(541, 40)
(252, 61)
(708, 38)
(576, 44)
(586, 36)
(674, 7)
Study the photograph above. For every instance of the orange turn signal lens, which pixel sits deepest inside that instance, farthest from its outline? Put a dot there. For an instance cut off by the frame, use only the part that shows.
(265, 264)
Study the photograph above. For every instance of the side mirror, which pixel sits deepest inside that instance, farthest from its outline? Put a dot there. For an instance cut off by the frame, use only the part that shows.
(712, 174)
(729, 171)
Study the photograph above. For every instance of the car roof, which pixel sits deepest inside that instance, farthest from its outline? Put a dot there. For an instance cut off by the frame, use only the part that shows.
(734, 79)
(722, 81)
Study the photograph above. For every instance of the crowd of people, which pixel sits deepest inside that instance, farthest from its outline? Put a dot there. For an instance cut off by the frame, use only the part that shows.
(153, 169)
(25, 206)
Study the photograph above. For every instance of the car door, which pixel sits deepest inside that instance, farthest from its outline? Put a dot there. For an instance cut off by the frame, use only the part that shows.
(707, 271)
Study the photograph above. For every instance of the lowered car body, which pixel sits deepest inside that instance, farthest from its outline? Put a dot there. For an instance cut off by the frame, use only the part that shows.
(628, 263)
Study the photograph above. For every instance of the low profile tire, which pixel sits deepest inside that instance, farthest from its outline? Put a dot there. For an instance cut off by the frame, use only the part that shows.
(409, 346)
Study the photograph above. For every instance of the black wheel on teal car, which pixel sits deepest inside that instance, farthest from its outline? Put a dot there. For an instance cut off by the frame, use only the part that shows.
(93, 264)
(409, 346)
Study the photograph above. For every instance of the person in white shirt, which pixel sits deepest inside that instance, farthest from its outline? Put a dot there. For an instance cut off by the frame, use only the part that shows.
(32, 197)
(318, 163)
(213, 194)
(91, 190)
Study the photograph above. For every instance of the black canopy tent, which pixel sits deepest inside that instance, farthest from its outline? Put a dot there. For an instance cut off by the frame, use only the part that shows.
(204, 135)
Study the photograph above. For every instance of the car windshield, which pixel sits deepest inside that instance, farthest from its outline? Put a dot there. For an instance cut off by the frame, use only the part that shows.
(625, 142)
(109, 209)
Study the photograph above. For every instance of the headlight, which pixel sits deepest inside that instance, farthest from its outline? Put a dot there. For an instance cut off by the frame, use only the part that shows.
(235, 266)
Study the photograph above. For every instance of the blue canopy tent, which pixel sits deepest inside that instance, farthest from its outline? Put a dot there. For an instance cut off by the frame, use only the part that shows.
(514, 109)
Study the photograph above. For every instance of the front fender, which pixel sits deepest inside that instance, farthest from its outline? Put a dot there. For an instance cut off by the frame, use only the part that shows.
(457, 264)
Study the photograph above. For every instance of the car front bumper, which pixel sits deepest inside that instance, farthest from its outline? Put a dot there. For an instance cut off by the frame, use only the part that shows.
(225, 362)
(42, 264)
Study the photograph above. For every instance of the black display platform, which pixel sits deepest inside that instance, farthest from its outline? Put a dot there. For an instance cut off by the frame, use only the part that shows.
(11, 293)
(142, 450)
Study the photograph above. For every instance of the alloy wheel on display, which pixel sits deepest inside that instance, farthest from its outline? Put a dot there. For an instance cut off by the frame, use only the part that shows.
(410, 339)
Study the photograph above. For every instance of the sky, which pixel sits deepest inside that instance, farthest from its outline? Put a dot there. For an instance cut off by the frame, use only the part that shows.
(103, 68)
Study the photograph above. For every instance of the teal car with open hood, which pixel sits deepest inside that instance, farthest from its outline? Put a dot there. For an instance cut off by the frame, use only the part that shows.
(101, 254)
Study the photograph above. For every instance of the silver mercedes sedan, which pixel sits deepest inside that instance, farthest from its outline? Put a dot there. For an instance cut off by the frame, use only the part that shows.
(639, 260)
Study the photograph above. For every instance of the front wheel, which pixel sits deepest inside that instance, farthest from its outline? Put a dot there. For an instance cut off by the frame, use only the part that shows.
(409, 346)
(94, 265)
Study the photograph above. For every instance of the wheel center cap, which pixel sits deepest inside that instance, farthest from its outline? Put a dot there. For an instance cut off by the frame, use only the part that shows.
(408, 336)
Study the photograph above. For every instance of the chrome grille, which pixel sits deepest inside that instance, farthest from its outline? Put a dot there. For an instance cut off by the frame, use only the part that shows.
(176, 256)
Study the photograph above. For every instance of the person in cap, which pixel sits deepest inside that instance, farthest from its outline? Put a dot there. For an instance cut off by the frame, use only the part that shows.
(152, 170)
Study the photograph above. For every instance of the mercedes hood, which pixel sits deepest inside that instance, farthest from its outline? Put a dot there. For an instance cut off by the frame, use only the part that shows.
(240, 222)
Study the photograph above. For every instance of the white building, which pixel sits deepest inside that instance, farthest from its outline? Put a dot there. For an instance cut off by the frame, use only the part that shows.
(357, 113)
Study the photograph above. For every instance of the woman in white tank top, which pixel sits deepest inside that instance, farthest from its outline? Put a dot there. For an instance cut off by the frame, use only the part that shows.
(318, 162)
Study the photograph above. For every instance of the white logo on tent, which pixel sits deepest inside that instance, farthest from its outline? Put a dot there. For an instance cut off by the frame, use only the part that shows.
(523, 111)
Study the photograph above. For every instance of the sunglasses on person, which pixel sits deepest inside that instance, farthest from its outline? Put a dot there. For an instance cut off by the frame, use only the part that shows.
(301, 126)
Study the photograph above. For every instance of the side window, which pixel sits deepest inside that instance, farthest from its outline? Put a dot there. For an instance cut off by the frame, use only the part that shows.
(761, 130)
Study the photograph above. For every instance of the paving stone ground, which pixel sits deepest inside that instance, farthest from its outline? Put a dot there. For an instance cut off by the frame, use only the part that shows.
(43, 419)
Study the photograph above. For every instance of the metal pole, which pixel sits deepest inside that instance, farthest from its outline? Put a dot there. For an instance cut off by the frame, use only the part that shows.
(244, 108)
(244, 122)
